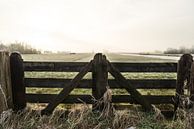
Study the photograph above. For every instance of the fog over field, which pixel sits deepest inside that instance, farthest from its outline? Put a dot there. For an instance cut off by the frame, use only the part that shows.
(99, 25)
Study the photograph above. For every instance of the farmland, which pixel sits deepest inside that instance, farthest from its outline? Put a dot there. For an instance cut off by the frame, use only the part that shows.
(85, 57)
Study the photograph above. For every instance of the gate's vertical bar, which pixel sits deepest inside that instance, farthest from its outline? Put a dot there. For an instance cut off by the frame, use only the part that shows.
(183, 74)
(99, 80)
(17, 79)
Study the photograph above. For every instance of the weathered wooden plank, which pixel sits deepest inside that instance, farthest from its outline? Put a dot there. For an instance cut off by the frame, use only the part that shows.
(132, 91)
(87, 83)
(55, 83)
(146, 67)
(71, 99)
(54, 66)
(153, 99)
(77, 66)
(66, 91)
(48, 98)
(17, 80)
(6, 101)
(99, 79)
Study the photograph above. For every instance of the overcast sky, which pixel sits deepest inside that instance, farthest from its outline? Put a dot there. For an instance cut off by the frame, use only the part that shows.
(97, 25)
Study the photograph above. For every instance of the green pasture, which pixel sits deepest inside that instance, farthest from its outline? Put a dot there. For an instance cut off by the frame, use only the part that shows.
(59, 57)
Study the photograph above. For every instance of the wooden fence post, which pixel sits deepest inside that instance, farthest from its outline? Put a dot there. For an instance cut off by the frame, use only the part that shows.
(5, 82)
(99, 79)
(183, 74)
(17, 80)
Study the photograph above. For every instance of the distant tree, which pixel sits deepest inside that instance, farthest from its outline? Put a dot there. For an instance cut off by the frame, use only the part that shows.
(48, 52)
(20, 47)
(181, 50)
(171, 51)
(3, 47)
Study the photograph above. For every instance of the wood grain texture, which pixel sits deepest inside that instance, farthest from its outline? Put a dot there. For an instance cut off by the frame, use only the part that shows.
(6, 101)
(99, 79)
(77, 66)
(87, 83)
(17, 80)
(78, 99)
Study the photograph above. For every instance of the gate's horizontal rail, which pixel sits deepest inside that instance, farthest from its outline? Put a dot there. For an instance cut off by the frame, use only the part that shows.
(54, 66)
(77, 66)
(71, 99)
(87, 83)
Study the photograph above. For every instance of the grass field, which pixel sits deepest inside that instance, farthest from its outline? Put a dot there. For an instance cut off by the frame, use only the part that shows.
(79, 57)
(85, 57)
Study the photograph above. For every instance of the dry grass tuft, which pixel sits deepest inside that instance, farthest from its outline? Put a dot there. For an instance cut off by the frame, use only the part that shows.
(124, 119)
(184, 116)
(108, 109)
(157, 114)
(3, 100)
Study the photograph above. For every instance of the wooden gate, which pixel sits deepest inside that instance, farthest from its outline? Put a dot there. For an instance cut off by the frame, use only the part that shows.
(100, 67)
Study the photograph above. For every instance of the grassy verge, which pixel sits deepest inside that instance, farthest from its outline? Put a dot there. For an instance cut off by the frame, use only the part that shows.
(84, 118)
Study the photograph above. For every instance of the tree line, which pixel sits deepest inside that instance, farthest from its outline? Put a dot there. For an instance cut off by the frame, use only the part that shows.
(181, 50)
(20, 47)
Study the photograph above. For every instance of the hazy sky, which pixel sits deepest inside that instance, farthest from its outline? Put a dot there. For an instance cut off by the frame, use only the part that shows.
(97, 25)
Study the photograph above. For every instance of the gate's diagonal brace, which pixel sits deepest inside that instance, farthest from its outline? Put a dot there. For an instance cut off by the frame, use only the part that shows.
(67, 90)
(133, 92)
